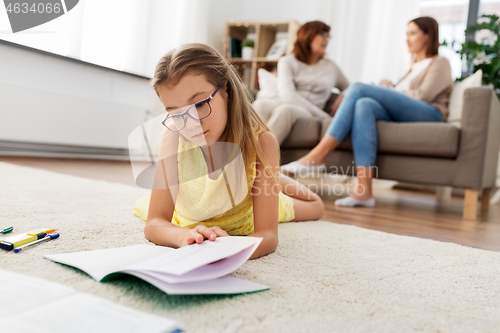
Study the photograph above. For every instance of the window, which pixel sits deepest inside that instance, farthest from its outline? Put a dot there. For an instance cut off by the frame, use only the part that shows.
(487, 7)
(452, 18)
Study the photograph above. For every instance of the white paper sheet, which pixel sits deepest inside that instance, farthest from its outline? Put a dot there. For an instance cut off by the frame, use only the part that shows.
(99, 263)
(84, 313)
(222, 285)
(200, 264)
(207, 272)
(32, 305)
(20, 292)
(188, 258)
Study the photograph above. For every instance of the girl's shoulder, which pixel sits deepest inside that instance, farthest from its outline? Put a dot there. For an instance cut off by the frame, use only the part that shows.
(267, 141)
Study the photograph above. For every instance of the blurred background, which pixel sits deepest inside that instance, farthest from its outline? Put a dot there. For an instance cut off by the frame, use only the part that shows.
(78, 85)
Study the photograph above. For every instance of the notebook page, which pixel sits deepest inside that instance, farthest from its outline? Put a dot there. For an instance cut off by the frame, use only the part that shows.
(222, 285)
(99, 263)
(188, 258)
(36, 305)
(84, 313)
(21, 292)
(207, 272)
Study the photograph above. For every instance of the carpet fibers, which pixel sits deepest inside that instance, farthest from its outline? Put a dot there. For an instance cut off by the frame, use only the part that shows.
(324, 277)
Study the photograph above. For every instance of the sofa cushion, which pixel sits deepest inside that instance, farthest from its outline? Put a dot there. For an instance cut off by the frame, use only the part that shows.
(421, 139)
(304, 134)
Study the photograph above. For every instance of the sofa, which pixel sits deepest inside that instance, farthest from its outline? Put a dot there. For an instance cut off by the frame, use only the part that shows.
(438, 154)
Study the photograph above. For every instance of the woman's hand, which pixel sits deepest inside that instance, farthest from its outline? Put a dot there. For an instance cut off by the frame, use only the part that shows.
(336, 104)
(386, 83)
(200, 233)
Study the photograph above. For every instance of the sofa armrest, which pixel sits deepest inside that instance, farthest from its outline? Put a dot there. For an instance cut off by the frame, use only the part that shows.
(479, 138)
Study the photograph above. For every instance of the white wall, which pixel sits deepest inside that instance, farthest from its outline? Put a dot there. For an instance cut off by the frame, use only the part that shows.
(24, 68)
(109, 104)
(369, 36)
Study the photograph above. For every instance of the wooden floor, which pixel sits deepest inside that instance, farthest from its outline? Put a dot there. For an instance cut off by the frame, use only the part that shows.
(403, 212)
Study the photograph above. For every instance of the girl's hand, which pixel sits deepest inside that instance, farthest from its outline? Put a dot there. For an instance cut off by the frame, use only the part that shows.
(200, 233)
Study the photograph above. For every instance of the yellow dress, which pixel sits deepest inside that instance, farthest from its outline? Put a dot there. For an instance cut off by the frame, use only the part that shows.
(202, 196)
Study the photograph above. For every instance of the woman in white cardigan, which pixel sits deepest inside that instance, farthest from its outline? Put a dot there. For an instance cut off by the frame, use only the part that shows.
(305, 81)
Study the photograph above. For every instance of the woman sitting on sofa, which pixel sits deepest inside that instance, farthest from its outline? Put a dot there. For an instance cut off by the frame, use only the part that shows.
(421, 95)
(305, 81)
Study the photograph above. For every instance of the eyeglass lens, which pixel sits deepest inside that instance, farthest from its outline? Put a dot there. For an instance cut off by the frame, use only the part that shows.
(198, 111)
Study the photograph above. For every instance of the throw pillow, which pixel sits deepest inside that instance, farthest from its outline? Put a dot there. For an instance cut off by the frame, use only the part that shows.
(268, 84)
(457, 96)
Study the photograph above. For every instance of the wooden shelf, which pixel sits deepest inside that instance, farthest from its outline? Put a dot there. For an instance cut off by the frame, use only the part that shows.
(264, 35)
(260, 59)
(240, 60)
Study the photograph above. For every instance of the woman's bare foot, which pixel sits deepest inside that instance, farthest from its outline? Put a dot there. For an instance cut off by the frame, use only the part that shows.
(319, 153)
(310, 160)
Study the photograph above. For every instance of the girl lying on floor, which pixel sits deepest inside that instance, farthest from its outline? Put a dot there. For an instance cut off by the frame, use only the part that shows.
(207, 106)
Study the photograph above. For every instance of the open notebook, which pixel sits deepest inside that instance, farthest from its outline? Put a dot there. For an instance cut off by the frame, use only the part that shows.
(193, 269)
(33, 305)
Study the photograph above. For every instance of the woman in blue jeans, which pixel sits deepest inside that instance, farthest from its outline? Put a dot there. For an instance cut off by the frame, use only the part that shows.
(422, 95)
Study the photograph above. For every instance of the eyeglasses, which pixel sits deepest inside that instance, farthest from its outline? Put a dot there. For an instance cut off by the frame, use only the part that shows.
(176, 119)
(324, 34)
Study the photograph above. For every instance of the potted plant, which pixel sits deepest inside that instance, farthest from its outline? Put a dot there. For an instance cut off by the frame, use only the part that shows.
(484, 55)
(247, 49)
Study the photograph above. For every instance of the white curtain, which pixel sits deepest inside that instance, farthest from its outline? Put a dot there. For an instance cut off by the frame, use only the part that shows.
(369, 37)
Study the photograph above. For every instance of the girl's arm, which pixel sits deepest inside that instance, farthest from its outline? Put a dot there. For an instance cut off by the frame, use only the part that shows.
(159, 229)
(266, 197)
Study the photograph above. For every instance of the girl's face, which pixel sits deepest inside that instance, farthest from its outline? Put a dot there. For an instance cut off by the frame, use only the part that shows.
(416, 39)
(319, 44)
(191, 89)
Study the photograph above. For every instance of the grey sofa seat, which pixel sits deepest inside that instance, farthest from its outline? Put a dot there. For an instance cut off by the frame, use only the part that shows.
(432, 153)
(417, 139)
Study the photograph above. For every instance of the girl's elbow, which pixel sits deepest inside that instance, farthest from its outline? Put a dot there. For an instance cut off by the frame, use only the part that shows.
(319, 207)
(147, 232)
(273, 241)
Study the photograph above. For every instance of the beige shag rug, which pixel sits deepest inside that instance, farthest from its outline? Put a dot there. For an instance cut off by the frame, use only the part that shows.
(324, 277)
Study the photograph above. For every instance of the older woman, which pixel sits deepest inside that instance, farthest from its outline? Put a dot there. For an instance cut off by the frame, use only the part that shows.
(305, 81)
(421, 95)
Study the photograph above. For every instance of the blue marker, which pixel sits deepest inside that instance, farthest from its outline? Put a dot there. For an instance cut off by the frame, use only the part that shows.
(44, 239)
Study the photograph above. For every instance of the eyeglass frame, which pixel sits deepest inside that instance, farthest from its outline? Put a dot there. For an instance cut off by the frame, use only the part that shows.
(324, 33)
(183, 114)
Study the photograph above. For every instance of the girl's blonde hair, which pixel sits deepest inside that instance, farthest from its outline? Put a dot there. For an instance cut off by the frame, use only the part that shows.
(242, 120)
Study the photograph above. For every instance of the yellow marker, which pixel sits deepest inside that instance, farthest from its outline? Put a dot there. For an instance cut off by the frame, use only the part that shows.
(10, 243)
(14, 241)
(39, 231)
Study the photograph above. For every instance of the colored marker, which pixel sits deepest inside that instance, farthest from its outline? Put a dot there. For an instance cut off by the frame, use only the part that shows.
(7, 230)
(46, 238)
(14, 241)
